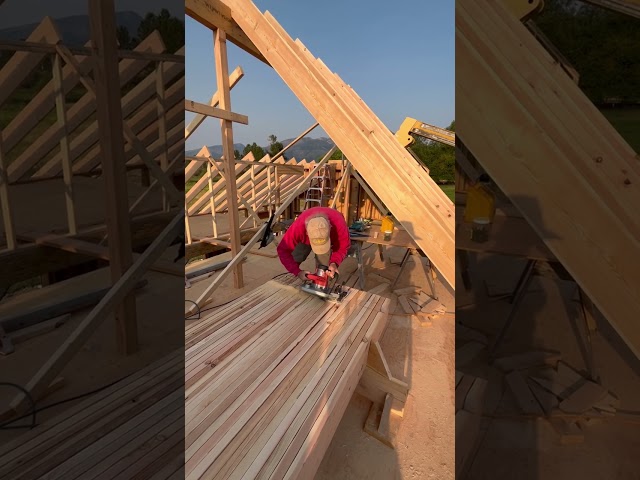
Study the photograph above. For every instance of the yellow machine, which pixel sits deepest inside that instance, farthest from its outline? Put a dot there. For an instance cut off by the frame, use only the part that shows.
(412, 126)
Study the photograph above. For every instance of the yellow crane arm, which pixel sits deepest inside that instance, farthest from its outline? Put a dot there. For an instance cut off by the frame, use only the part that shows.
(412, 126)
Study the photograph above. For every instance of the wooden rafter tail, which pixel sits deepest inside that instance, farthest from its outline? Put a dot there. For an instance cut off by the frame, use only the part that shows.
(52, 368)
(245, 250)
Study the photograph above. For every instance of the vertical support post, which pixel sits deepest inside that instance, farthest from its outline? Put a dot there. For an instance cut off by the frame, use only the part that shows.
(277, 187)
(7, 218)
(347, 197)
(253, 193)
(65, 151)
(187, 225)
(162, 129)
(269, 191)
(222, 77)
(212, 200)
(109, 113)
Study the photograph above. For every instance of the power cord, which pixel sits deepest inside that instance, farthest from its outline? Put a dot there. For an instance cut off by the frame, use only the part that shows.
(34, 410)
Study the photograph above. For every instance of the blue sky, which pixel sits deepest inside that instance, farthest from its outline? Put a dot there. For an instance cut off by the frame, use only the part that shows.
(21, 12)
(400, 61)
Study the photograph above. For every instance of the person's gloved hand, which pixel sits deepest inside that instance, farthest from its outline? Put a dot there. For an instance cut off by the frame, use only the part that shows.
(333, 270)
(303, 275)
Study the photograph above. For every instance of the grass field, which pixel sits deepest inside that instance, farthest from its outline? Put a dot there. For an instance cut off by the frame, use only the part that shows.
(450, 190)
(627, 122)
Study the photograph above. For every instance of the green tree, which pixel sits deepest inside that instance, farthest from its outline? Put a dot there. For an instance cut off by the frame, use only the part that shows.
(258, 151)
(124, 39)
(275, 146)
(236, 154)
(170, 28)
(437, 157)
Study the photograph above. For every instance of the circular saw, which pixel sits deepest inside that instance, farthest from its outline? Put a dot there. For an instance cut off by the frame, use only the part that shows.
(319, 284)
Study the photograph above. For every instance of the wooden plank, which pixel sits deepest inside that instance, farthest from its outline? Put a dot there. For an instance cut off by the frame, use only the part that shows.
(548, 117)
(202, 109)
(226, 127)
(38, 329)
(523, 361)
(522, 393)
(107, 92)
(234, 78)
(462, 390)
(547, 400)
(584, 398)
(61, 114)
(21, 64)
(54, 365)
(5, 201)
(312, 451)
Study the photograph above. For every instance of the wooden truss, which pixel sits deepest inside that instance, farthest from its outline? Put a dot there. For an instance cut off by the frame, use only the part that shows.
(148, 118)
(385, 166)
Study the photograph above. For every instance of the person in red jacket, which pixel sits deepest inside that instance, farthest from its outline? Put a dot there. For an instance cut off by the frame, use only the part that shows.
(321, 230)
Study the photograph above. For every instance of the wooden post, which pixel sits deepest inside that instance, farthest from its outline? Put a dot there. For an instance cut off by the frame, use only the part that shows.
(253, 192)
(67, 173)
(212, 200)
(109, 113)
(9, 230)
(162, 130)
(222, 77)
(187, 225)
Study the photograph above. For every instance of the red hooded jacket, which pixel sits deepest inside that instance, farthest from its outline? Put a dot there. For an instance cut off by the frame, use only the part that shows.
(297, 233)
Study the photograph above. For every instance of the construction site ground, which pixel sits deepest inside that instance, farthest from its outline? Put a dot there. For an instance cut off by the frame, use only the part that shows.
(509, 441)
(98, 363)
(423, 356)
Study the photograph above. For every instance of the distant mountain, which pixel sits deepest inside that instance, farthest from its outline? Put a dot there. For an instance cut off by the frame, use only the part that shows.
(305, 149)
(75, 30)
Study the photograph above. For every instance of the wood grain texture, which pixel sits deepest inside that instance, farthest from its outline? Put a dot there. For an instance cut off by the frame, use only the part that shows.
(269, 376)
(535, 132)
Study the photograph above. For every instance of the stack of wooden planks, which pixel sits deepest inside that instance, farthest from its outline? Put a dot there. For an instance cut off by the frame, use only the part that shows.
(268, 378)
(554, 155)
(392, 173)
(133, 429)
